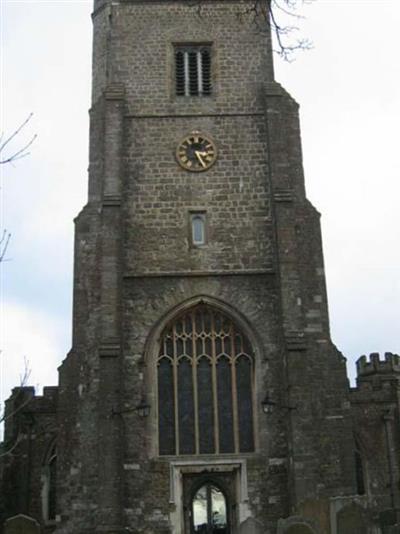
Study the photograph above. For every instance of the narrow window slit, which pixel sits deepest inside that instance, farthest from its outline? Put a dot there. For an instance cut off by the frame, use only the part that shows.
(198, 230)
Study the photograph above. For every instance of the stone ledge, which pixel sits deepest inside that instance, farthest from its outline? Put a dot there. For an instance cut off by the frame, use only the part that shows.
(162, 274)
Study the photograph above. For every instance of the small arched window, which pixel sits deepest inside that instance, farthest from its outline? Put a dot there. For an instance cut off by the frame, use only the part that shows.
(359, 471)
(198, 229)
(49, 494)
(205, 386)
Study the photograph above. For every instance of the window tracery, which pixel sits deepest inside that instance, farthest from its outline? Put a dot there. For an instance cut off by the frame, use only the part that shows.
(205, 385)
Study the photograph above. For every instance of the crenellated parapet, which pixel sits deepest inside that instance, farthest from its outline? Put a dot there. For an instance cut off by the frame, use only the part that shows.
(24, 407)
(375, 365)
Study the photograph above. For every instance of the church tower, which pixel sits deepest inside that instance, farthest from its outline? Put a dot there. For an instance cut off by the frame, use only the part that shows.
(202, 390)
(202, 393)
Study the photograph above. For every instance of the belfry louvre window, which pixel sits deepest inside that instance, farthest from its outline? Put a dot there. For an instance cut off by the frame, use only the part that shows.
(193, 70)
(205, 386)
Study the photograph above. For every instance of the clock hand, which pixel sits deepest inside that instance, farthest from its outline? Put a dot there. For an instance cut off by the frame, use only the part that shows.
(198, 155)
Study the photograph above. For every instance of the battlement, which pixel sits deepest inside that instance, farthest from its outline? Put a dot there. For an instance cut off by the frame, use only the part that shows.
(374, 365)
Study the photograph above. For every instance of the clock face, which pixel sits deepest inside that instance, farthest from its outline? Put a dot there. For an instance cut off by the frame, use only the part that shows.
(196, 152)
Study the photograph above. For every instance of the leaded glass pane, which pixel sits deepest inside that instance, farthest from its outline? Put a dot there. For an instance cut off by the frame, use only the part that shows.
(185, 407)
(206, 411)
(245, 404)
(225, 412)
(166, 419)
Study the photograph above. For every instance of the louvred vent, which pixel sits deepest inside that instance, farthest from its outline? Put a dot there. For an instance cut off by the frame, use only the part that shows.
(206, 67)
(180, 73)
(193, 74)
(193, 71)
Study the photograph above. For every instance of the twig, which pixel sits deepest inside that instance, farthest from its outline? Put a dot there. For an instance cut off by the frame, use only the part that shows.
(21, 153)
(4, 241)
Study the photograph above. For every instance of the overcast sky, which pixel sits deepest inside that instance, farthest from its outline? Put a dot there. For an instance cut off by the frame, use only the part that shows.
(348, 90)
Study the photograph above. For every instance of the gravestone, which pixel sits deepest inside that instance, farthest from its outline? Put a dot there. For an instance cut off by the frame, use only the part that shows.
(21, 524)
(351, 520)
(299, 529)
(251, 526)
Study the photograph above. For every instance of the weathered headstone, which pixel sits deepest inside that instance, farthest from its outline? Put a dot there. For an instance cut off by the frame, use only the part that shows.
(351, 520)
(299, 529)
(251, 526)
(21, 524)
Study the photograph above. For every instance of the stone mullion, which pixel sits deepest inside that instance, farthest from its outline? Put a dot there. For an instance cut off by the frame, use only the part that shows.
(254, 402)
(195, 393)
(186, 71)
(234, 391)
(199, 73)
(175, 364)
(215, 390)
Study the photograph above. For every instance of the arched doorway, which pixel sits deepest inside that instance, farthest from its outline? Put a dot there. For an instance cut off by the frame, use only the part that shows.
(209, 511)
(209, 501)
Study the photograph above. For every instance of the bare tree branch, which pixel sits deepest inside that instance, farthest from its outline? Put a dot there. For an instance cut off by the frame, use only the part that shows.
(18, 407)
(4, 242)
(24, 377)
(265, 16)
(21, 152)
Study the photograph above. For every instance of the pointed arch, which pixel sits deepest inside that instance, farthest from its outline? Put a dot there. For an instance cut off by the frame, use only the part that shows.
(49, 482)
(360, 466)
(209, 506)
(203, 363)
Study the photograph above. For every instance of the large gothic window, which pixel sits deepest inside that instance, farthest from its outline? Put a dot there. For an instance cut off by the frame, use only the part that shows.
(205, 386)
